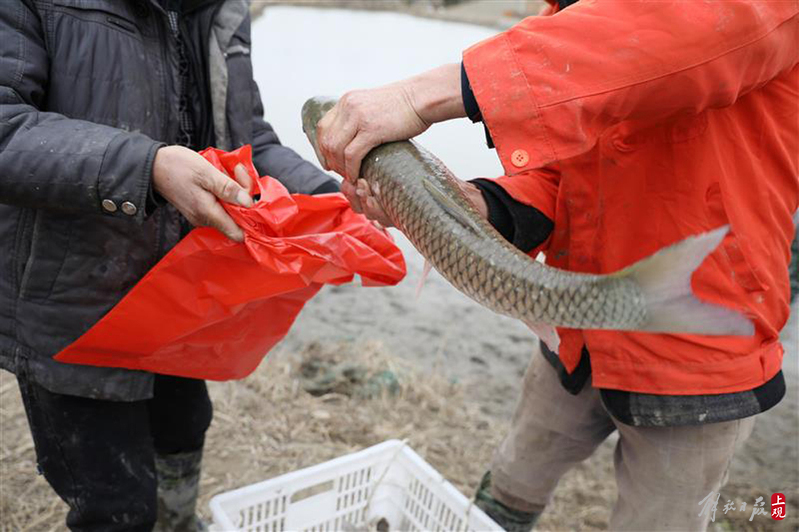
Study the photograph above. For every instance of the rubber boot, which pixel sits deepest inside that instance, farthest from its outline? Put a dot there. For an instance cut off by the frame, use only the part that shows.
(505, 516)
(178, 487)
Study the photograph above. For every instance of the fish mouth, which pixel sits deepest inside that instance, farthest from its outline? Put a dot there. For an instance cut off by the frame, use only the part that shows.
(312, 112)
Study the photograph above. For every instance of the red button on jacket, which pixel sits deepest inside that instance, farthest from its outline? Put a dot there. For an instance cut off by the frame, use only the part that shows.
(520, 158)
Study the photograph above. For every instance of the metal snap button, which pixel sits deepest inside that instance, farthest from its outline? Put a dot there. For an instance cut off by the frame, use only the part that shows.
(109, 205)
(129, 208)
(520, 158)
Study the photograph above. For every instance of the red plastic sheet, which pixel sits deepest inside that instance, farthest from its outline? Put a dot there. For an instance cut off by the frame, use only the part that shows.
(212, 308)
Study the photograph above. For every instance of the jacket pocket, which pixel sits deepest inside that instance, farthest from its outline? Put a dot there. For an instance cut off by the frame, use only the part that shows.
(102, 69)
(630, 136)
(49, 246)
(114, 15)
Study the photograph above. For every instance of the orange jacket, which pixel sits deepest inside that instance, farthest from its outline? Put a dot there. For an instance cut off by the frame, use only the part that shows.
(633, 125)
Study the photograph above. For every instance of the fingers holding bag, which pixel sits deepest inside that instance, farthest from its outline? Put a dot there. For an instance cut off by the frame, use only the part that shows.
(212, 309)
(189, 182)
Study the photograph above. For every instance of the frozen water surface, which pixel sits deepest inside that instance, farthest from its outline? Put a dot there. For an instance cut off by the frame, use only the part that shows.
(304, 52)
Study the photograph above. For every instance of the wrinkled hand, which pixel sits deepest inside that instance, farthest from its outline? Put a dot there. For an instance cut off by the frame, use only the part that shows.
(364, 201)
(362, 120)
(194, 186)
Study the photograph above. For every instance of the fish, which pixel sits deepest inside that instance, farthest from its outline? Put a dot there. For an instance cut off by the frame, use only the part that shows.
(421, 197)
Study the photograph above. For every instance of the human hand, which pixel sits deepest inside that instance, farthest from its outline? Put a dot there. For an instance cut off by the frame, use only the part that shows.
(364, 119)
(194, 186)
(364, 201)
(475, 196)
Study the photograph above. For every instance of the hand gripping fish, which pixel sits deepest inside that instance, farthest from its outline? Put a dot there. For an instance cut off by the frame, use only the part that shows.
(420, 196)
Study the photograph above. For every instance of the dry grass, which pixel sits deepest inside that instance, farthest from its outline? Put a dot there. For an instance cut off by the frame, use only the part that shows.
(267, 425)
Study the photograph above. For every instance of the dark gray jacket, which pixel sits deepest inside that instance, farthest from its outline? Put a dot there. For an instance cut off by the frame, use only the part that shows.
(87, 96)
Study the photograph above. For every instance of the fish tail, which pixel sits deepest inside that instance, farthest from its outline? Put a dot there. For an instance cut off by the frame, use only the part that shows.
(665, 280)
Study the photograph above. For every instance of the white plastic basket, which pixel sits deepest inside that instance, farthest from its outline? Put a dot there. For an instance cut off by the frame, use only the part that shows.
(386, 482)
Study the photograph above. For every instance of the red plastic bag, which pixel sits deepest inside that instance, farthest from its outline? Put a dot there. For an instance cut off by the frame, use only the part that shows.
(212, 308)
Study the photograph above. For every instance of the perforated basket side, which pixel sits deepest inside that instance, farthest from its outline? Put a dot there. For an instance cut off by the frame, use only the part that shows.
(388, 481)
(328, 496)
(431, 503)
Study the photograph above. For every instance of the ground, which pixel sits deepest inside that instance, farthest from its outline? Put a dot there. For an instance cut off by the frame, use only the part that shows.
(458, 366)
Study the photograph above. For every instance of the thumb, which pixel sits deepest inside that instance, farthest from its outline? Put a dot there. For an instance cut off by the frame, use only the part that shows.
(242, 177)
(226, 189)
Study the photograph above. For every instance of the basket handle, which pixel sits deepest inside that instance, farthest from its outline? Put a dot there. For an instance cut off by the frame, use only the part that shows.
(312, 491)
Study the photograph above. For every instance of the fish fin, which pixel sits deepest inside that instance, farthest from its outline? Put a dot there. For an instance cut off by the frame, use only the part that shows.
(665, 280)
(546, 333)
(455, 210)
(425, 272)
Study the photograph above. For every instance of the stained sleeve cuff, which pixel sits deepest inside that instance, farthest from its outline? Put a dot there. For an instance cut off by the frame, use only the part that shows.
(536, 188)
(125, 181)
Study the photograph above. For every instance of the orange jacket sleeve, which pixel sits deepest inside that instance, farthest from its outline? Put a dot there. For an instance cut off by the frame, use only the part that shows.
(550, 86)
(537, 188)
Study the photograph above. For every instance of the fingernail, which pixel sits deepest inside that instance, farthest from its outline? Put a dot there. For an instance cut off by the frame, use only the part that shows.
(243, 199)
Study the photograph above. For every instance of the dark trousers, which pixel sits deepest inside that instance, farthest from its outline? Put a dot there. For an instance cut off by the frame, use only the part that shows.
(99, 455)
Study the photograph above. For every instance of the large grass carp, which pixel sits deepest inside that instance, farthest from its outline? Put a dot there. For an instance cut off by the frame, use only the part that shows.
(420, 196)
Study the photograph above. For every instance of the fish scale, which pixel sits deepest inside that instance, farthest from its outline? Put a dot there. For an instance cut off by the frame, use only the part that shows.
(423, 200)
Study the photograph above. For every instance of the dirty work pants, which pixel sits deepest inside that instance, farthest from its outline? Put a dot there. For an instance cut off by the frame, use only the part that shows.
(99, 456)
(661, 472)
